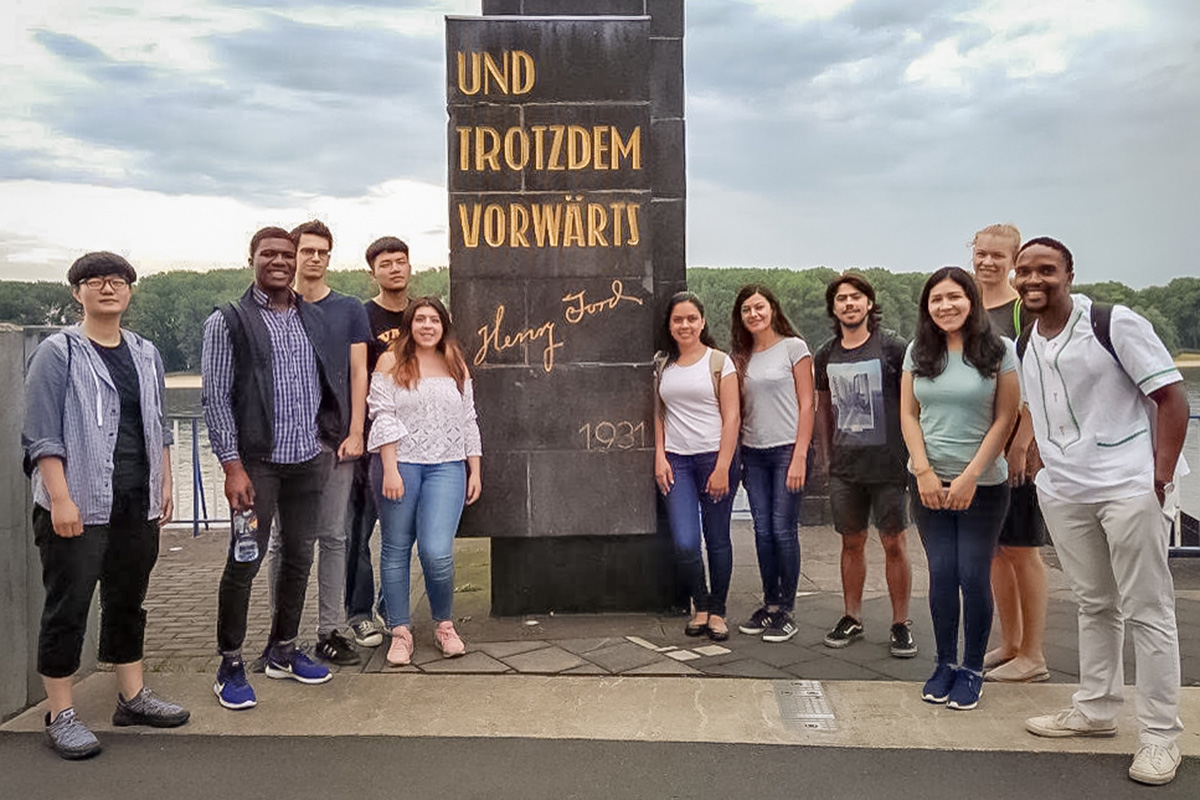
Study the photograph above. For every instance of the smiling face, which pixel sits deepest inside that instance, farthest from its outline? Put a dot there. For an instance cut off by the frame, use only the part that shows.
(992, 258)
(105, 296)
(851, 306)
(274, 263)
(757, 314)
(949, 306)
(1042, 279)
(686, 324)
(312, 256)
(427, 328)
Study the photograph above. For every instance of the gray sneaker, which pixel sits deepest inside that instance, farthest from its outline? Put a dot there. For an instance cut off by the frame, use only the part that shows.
(366, 633)
(69, 737)
(147, 708)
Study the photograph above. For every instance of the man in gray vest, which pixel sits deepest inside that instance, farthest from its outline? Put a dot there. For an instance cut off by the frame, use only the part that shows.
(274, 430)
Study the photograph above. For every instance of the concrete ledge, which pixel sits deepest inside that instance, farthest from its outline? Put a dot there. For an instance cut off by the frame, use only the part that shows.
(869, 714)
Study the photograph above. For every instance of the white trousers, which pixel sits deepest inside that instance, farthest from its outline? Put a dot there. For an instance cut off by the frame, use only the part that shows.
(1115, 555)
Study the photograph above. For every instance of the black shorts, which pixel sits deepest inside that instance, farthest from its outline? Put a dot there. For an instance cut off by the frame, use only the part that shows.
(1023, 525)
(853, 503)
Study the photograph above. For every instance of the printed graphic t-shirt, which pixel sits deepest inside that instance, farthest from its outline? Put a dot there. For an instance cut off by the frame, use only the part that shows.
(385, 328)
(864, 392)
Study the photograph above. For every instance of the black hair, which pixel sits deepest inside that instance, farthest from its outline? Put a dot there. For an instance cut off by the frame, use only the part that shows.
(706, 336)
(741, 340)
(1053, 244)
(313, 227)
(99, 265)
(269, 232)
(982, 348)
(384, 244)
(864, 286)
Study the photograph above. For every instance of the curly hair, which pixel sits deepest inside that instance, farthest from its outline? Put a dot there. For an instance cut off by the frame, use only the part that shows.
(863, 285)
(982, 348)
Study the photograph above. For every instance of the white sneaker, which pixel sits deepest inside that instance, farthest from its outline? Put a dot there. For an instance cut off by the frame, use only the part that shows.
(1068, 722)
(1155, 764)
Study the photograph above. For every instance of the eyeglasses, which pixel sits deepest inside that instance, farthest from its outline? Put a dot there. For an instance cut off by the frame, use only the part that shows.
(319, 252)
(98, 283)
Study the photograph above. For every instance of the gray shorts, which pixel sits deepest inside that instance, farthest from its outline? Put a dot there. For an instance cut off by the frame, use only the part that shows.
(854, 504)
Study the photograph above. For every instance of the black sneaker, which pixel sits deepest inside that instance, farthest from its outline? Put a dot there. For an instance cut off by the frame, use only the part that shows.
(902, 644)
(844, 633)
(336, 649)
(781, 629)
(759, 621)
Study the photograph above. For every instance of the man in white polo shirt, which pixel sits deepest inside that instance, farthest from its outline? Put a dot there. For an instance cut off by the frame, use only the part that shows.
(1110, 460)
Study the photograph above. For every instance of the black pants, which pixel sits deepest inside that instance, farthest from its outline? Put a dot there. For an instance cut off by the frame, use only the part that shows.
(120, 555)
(360, 522)
(294, 490)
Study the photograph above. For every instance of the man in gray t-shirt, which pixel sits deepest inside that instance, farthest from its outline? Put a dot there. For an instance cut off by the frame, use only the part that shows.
(857, 376)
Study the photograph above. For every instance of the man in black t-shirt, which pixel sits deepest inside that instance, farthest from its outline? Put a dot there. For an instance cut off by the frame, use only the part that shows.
(858, 421)
(387, 258)
(99, 455)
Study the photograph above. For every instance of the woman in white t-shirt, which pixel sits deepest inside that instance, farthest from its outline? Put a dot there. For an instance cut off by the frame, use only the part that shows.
(695, 457)
(777, 425)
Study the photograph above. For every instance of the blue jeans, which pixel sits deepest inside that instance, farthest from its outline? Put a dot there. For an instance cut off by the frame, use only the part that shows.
(959, 546)
(776, 514)
(690, 510)
(426, 515)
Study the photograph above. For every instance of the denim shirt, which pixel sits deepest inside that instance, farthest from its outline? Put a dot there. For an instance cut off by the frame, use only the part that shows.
(75, 417)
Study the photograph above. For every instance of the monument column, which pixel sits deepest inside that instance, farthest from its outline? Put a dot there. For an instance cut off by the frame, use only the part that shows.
(567, 196)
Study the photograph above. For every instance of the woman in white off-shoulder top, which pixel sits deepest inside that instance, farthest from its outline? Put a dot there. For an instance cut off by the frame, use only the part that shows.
(423, 426)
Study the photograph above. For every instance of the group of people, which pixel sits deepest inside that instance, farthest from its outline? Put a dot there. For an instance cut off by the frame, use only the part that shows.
(1016, 400)
(1017, 407)
(300, 383)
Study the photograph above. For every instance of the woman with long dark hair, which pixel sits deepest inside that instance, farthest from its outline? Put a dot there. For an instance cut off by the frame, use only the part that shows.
(423, 426)
(695, 463)
(775, 366)
(958, 402)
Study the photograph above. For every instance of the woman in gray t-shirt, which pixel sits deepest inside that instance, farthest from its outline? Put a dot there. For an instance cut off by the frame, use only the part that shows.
(777, 423)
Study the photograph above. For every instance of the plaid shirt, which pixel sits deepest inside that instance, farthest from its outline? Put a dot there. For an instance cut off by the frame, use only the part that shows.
(297, 385)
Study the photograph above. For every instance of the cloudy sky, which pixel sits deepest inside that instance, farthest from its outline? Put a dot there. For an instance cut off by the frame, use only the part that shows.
(820, 132)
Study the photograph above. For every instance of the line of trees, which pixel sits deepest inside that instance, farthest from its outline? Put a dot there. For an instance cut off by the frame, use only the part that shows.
(169, 308)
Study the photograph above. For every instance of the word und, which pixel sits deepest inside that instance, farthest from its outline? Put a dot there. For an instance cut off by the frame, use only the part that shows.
(573, 223)
(514, 73)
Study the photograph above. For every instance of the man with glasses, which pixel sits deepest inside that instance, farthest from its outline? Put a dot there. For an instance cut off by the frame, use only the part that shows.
(100, 461)
(274, 431)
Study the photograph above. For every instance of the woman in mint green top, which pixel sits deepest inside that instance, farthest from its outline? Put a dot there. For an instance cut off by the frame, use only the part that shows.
(959, 396)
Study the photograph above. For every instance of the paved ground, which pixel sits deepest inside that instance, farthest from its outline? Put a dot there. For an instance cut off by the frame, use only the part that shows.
(182, 611)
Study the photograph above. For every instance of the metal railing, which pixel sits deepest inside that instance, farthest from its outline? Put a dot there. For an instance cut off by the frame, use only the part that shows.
(199, 501)
(1185, 529)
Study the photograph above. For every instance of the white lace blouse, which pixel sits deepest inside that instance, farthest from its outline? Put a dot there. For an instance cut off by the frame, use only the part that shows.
(431, 424)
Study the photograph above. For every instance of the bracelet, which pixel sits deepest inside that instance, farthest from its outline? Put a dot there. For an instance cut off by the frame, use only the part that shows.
(921, 472)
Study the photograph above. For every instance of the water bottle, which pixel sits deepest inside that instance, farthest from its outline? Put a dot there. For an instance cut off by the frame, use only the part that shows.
(245, 536)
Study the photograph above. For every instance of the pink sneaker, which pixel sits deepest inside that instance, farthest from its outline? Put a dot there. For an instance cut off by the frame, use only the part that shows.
(400, 652)
(448, 640)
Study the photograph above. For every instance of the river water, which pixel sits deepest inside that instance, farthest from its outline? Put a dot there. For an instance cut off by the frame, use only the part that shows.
(183, 405)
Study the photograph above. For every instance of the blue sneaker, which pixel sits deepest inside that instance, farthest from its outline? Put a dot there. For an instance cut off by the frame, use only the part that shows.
(937, 688)
(232, 689)
(298, 667)
(964, 695)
